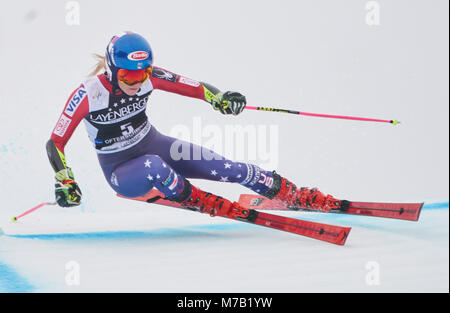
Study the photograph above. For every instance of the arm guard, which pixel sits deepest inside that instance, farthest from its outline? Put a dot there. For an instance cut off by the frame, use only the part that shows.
(56, 157)
(210, 91)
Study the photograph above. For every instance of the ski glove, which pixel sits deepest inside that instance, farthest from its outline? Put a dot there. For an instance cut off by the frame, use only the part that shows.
(229, 102)
(67, 192)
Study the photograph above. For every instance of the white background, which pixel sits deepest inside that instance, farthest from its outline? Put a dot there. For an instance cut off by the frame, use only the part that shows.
(313, 56)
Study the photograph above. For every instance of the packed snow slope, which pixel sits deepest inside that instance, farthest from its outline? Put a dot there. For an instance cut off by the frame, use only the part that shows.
(159, 249)
(312, 56)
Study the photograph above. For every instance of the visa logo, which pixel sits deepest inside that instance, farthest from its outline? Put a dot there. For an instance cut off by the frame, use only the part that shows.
(75, 101)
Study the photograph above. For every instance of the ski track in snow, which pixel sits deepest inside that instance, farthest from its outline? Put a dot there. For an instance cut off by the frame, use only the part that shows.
(180, 258)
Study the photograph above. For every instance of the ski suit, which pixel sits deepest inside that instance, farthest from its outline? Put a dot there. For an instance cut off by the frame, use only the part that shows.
(133, 155)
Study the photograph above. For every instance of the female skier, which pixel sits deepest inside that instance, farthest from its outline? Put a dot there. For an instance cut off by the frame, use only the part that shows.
(135, 157)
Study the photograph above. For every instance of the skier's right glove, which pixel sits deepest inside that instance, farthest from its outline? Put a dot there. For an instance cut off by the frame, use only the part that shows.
(67, 192)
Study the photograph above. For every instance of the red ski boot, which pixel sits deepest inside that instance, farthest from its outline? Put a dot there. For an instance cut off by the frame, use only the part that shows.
(309, 198)
(214, 205)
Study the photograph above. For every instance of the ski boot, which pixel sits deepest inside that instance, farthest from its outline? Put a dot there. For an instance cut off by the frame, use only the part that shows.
(206, 202)
(305, 198)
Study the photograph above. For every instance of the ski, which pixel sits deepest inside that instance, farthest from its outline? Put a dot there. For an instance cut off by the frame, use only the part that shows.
(329, 233)
(401, 211)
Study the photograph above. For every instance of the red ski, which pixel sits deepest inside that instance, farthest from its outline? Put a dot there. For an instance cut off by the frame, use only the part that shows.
(329, 233)
(401, 211)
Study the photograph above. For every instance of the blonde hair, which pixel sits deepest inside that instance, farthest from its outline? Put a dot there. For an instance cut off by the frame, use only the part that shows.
(101, 64)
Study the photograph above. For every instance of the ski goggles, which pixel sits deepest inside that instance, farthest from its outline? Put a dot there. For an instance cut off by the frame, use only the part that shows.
(133, 77)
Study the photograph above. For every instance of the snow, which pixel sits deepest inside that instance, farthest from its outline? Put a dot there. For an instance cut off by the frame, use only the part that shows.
(312, 56)
(160, 249)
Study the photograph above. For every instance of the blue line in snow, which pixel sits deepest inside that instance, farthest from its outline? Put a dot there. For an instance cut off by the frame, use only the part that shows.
(197, 231)
(12, 282)
(436, 206)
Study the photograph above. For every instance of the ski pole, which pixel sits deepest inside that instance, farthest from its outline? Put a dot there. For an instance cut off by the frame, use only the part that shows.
(393, 122)
(16, 218)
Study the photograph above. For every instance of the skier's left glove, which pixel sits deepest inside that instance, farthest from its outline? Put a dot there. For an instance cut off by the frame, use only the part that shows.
(229, 102)
(67, 192)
